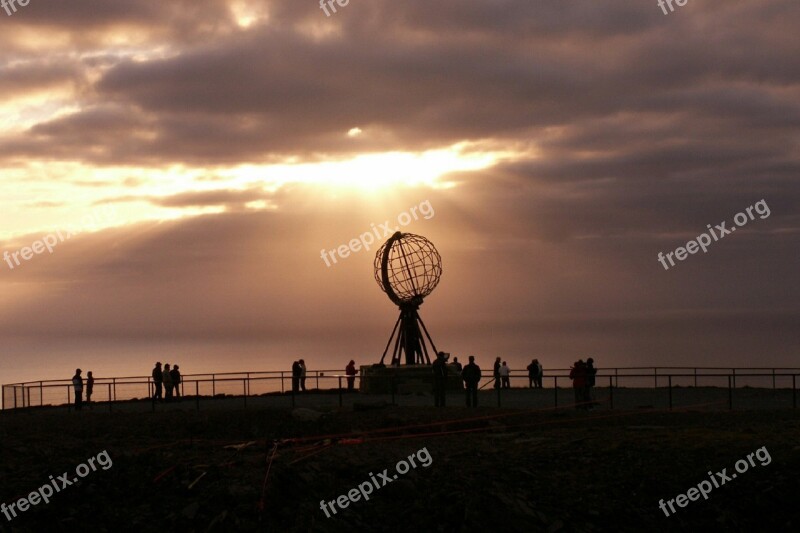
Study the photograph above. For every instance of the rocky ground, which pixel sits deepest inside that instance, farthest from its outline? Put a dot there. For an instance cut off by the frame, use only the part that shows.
(508, 470)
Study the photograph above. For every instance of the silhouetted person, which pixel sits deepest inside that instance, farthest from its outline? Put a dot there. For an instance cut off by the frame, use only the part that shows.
(296, 372)
(167, 378)
(539, 374)
(578, 376)
(77, 384)
(459, 369)
(439, 380)
(90, 388)
(496, 373)
(175, 374)
(351, 372)
(302, 375)
(532, 369)
(591, 372)
(471, 376)
(505, 375)
(158, 379)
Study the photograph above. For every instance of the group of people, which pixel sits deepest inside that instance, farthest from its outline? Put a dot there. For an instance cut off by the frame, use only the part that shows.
(168, 379)
(470, 375)
(535, 373)
(77, 385)
(299, 375)
(582, 376)
(502, 375)
(583, 379)
(581, 373)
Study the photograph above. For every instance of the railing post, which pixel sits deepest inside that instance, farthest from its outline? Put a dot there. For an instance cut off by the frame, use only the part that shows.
(29, 396)
(555, 388)
(109, 398)
(41, 395)
(317, 373)
(734, 377)
(282, 389)
(213, 385)
(197, 395)
(115, 388)
(340, 391)
(730, 394)
(611, 392)
(773, 379)
(244, 387)
(248, 383)
(669, 384)
(616, 377)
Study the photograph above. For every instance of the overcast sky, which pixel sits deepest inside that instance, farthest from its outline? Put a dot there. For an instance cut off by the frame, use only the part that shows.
(208, 150)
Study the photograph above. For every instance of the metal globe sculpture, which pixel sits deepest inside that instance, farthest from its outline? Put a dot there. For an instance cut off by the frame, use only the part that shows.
(407, 268)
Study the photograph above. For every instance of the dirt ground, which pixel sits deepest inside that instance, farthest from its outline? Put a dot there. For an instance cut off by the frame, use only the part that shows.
(490, 470)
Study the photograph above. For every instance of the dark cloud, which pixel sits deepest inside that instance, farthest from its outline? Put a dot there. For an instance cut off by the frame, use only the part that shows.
(479, 71)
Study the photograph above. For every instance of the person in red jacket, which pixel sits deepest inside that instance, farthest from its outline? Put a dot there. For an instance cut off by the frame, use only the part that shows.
(577, 374)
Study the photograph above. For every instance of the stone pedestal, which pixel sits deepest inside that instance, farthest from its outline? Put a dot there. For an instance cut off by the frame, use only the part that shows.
(406, 379)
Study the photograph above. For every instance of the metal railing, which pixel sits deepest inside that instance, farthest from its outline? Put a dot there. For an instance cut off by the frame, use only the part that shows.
(245, 385)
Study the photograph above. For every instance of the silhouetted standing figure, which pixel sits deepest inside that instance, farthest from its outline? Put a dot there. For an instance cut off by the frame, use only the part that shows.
(439, 380)
(591, 372)
(77, 384)
(471, 376)
(578, 376)
(158, 379)
(497, 373)
(175, 374)
(167, 378)
(459, 369)
(539, 373)
(505, 375)
(533, 368)
(351, 372)
(296, 372)
(302, 375)
(90, 388)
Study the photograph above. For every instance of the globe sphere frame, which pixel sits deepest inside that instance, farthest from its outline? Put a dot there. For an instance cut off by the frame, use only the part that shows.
(408, 268)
